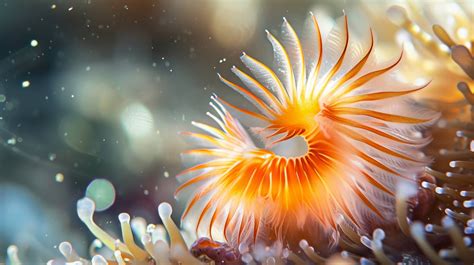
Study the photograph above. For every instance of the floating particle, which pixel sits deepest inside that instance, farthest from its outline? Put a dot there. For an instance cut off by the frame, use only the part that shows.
(25, 83)
(11, 141)
(166, 174)
(88, 68)
(53, 6)
(34, 43)
(52, 156)
(2, 98)
(102, 192)
(146, 192)
(70, 9)
(59, 177)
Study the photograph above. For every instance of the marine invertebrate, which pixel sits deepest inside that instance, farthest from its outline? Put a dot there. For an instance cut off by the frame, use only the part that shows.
(420, 23)
(438, 217)
(358, 132)
(154, 249)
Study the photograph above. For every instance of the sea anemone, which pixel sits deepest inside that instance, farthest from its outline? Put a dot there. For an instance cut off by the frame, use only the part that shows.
(155, 247)
(334, 143)
(437, 220)
(333, 134)
(420, 23)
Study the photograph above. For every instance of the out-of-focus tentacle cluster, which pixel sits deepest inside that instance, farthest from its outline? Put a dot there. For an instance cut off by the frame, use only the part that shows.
(438, 38)
(159, 244)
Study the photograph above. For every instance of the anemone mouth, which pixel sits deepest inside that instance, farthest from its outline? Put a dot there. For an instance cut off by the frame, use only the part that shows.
(294, 147)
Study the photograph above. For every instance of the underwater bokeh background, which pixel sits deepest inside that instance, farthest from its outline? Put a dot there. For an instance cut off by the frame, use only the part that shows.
(100, 89)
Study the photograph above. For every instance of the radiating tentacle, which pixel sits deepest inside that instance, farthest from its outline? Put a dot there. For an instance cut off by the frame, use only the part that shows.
(356, 148)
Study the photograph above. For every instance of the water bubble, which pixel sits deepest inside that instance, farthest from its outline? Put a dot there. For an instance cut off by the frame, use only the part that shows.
(3, 98)
(102, 192)
(59, 177)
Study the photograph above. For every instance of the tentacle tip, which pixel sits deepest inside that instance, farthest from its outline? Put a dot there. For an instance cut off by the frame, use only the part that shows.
(303, 244)
(448, 222)
(366, 241)
(378, 234)
(429, 228)
(463, 87)
(165, 210)
(425, 184)
(99, 260)
(417, 230)
(124, 218)
(65, 248)
(85, 208)
(12, 250)
(436, 26)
